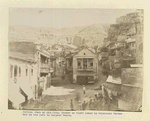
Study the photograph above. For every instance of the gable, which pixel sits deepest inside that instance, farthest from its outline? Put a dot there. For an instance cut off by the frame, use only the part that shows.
(85, 52)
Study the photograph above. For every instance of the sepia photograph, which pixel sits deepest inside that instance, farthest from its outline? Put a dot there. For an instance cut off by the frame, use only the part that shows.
(67, 59)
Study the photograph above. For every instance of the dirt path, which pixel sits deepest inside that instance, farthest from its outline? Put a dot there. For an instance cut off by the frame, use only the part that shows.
(62, 102)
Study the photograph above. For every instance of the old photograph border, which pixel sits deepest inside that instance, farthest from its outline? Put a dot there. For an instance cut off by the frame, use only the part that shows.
(4, 69)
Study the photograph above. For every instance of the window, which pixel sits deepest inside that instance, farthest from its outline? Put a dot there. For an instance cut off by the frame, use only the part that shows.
(79, 66)
(19, 71)
(31, 72)
(133, 44)
(11, 71)
(15, 71)
(90, 63)
(84, 63)
(51, 64)
(70, 62)
(60, 64)
(26, 72)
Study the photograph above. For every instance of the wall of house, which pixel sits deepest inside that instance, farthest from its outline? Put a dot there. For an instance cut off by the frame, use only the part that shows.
(44, 69)
(26, 81)
(76, 72)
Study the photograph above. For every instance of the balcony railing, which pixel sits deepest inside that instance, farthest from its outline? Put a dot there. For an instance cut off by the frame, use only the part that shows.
(85, 69)
(45, 66)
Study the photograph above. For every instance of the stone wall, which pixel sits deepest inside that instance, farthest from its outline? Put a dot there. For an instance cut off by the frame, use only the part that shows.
(132, 76)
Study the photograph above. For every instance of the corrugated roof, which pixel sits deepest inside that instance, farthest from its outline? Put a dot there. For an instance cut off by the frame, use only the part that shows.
(21, 56)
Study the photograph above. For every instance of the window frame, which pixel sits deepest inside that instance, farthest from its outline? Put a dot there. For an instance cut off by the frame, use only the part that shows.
(19, 71)
(90, 61)
(79, 60)
(85, 63)
(15, 71)
(32, 71)
(26, 71)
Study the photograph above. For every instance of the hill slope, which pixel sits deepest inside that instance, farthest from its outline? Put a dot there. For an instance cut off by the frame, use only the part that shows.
(90, 35)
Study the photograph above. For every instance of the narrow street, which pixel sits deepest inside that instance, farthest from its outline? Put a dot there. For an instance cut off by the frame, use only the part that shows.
(59, 95)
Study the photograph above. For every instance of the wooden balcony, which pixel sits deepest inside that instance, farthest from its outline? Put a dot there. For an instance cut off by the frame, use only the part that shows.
(44, 68)
(85, 69)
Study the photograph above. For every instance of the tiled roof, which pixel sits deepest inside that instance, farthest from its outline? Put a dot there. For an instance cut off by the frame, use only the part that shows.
(18, 55)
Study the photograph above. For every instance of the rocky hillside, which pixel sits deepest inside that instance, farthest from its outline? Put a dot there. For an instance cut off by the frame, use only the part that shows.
(127, 26)
(90, 35)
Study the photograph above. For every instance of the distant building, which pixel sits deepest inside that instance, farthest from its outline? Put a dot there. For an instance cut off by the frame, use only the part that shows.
(131, 43)
(85, 66)
(139, 50)
(103, 56)
(60, 65)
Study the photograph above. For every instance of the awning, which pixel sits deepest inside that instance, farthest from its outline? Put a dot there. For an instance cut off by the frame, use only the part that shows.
(113, 80)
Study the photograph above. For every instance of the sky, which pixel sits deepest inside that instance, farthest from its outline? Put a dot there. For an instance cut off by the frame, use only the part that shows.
(62, 17)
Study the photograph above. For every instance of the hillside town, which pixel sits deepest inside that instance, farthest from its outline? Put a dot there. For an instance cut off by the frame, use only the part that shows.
(79, 72)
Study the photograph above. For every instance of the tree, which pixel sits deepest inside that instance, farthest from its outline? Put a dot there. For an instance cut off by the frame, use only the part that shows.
(95, 48)
(104, 49)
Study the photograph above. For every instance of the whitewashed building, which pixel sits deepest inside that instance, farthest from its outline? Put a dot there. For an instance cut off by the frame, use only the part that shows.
(29, 66)
(22, 84)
